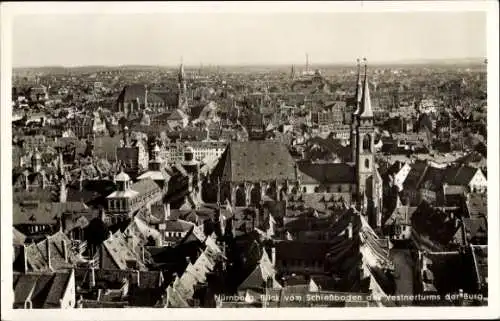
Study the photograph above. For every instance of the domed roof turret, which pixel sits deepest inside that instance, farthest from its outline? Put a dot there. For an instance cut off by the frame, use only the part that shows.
(37, 154)
(122, 177)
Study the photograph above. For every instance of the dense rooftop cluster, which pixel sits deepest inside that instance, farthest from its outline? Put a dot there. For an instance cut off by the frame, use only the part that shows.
(213, 187)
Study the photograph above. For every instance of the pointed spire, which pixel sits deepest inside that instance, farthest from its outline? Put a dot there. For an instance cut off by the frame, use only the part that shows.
(359, 90)
(181, 69)
(366, 101)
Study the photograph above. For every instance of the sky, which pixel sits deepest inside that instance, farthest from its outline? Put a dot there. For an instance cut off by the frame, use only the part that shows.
(222, 38)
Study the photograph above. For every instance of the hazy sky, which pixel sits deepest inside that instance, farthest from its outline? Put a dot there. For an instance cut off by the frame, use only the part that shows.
(239, 38)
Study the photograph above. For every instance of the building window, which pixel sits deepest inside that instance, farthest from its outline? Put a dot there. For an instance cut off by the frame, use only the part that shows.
(367, 163)
(367, 143)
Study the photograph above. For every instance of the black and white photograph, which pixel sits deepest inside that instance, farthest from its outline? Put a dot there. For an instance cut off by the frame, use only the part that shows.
(205, 156)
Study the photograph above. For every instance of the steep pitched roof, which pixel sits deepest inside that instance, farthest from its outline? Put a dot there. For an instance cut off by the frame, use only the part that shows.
(18, 237)
(327, 173)
(480, 256)
(43, 290)
(255, 161)
(58, 287)
(260, 274)
(118, 250)
(477, 205)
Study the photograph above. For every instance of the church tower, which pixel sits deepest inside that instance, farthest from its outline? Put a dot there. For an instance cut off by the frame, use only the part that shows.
(365, 158)
(355, 115)
(182, 95)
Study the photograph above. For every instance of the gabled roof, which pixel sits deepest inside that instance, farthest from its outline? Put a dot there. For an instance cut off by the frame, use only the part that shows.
(255, 161)
(480, 256)
(44, 212)
(461, 175)
(118, 250)
(433, 227)
(59, 285)
(177, 115)
(260, 274)
(18, 237)
(327, 173)
(43, 290)
(476, 227)
(477, 205)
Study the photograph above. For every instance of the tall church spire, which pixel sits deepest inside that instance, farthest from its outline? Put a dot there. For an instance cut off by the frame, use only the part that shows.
(366, 111)
(359, 90)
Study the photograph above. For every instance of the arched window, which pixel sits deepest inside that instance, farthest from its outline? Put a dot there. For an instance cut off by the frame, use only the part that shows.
(367, 163)
(240, 197)
(255, 196)
(304, 190)
(367, 143)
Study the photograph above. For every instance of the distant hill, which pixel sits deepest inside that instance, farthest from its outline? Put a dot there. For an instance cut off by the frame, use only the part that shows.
(250, 67)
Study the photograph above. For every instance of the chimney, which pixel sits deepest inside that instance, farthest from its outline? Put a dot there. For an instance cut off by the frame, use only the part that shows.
(167, 212)
(218, 191)
(27, 182)
(79, 304)
(349, 230)
(80, 187)
(63, 191)
(92, 278)
(25, 257)
(138, 278)
(65, 250)
(273, 256)
(49, 263)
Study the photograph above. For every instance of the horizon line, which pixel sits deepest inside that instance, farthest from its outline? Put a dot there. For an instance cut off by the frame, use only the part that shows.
(258, 64)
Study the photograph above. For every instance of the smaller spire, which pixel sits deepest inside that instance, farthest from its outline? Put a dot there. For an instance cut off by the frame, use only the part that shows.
(367, 111)
(359, 89)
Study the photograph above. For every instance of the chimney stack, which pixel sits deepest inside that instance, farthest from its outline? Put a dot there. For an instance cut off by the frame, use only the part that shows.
(349, 230)
(25, 257)
(65, 250)
(167, 212)
(92, 277)
(273, 256)
(48, 253)
(218, 191)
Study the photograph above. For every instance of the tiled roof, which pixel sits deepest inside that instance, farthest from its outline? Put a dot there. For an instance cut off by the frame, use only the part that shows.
(117, 248)
(330, 145)
(43, 213)
(433, 224)
(477, 205)
(56, 292)
(461, 175)
(448, 270)
(144, 186)
(401, 215)
(18, 237)
(260, 274)
(43, 290)
(476, 227)
(23, 285)
(480, 255)
(131, 92)
(177, 115)
(327, 173)
(255, 161)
